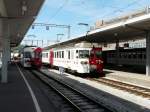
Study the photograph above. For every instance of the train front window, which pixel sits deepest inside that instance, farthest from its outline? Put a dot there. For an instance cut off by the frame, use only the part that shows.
(27, 55)
(83, 53)
(92, 54)
(98, 54)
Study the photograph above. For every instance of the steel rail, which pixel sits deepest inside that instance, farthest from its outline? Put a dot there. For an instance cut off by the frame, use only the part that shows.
(82, 102)
(45, 81)
(141, 91)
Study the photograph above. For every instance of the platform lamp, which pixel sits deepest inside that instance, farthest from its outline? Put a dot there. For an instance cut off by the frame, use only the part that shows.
(84, 24)
(60, 34)
(87, 25)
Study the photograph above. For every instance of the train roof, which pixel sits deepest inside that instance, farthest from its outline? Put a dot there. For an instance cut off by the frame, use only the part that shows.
(28, 47)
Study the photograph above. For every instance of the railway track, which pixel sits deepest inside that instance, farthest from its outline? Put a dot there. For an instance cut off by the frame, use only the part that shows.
(79, 101)
(141, 91)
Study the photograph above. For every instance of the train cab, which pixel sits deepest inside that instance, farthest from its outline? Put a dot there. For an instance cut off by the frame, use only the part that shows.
(95, 60)
(37, 58)
(31, 56)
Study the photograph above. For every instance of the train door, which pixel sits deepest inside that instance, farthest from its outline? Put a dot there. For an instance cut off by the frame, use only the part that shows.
(37, 58)
(51, 56)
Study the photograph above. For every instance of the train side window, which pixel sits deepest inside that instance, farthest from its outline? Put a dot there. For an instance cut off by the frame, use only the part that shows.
(62, 54)
(46, 55)
(43, 55)
(68, 54)
(77, 51)
(57, 54)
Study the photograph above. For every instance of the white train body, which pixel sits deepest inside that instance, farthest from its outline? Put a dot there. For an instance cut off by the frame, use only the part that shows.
(73, 57)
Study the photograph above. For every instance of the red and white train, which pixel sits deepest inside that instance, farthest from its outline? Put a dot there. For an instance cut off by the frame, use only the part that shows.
(31, 56)
(80, 58)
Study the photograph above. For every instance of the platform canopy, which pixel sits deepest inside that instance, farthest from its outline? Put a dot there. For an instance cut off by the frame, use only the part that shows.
(19, 15)
(128, 27)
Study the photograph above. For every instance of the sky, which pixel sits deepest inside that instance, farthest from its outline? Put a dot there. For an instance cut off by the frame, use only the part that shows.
(73, 12)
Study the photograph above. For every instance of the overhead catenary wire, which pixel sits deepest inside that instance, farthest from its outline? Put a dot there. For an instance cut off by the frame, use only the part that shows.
(121, 9)
(58, 10)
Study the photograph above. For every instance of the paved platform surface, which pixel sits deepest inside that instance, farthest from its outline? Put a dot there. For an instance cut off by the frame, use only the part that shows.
(134, 78)
(15, 95)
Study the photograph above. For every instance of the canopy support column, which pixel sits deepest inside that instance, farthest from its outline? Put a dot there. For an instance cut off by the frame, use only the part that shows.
(117, 52)
(147, 54)
(5, 51)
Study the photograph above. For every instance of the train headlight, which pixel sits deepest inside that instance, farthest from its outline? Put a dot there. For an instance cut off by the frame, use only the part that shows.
(99, 61)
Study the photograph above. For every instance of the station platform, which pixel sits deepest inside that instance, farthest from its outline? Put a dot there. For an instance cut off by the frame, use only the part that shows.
(17, 96)
(139, 79)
